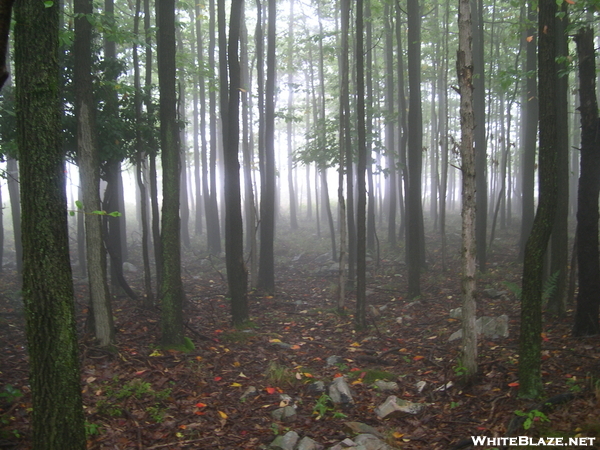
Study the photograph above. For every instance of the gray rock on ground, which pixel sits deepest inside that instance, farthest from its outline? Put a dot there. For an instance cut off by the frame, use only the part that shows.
(397, 406)
(339, 391)
(287, 441)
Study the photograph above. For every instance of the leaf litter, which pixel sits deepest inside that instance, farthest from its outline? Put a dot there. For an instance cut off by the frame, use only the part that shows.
(141, 397)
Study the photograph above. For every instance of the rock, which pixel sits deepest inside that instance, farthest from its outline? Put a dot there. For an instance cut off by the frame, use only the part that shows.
(286, 414)
(444, 387)
(308, 444)
(128, 267)
(493, 293)
(370, 442)
(490, 327)
(318, 387)
(250, 392)
(456, 313)
(395, 405)
(286, 442)
(421, 385)
(362, 428)
(334, 360)
(374, 311)
(386, 385)
(339, 391)
(494, 327)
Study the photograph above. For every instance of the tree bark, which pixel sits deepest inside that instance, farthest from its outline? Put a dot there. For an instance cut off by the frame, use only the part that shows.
(266, 265)
(588, 257)
(530, 381)
(57, 416)
(171, 289)
(414, 223)
(467, 153)
(237, 276)
(361, 229)
(89, 172)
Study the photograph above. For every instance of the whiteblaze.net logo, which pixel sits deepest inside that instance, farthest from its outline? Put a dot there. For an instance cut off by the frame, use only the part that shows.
(483, 441)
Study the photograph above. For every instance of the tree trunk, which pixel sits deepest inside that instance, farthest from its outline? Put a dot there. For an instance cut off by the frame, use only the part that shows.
(266, 267)
(139, 166)
(467, 153)
(530, 381)
(390, 146)
(559, 244)
(586, 315)
(237, 276)
(479, 133)
(171, 289)
(361, 262)
(213, 228)
(530, 113)
(12, 182)
(89, 173)
(290, 118)
(414, 223)
(57, 417)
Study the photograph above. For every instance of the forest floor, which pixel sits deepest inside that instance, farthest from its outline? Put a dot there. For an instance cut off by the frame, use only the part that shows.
(141, 397)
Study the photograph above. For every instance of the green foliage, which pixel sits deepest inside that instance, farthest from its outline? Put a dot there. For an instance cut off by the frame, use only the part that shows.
(10, 394)
(321, 144)
(92, 429)
(324, 405)
(79, 206)
(532, 416)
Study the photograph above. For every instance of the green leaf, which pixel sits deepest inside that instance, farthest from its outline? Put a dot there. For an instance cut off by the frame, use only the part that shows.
(48, 4)
(100, 213)
(71, 213)
(79, 204)
(115, 214)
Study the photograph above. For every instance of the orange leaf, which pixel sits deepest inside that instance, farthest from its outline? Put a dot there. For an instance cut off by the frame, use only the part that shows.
(514, 384)
(355, 369)
(218, 378)
(529, 38)
(308, 375)
(295, 347)
(199, 413)
(570, 2)
(270, 390)
(200, 405)
(418, 357)
(222, 414)
(337, 375)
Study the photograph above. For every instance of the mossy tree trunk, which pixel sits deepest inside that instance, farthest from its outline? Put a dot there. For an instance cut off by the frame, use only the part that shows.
(57, 417)
(171, 289)
(530, 378)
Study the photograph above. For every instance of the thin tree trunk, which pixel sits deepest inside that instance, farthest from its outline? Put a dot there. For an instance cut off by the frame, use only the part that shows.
(467, 151)
(89, 173)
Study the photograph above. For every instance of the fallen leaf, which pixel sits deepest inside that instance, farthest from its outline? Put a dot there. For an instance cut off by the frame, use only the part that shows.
(270, 390)
(274, 341)
(514, 384)
(418, 357)
(222, 415)
(236, 385)
(218, 378)
(200, 405)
